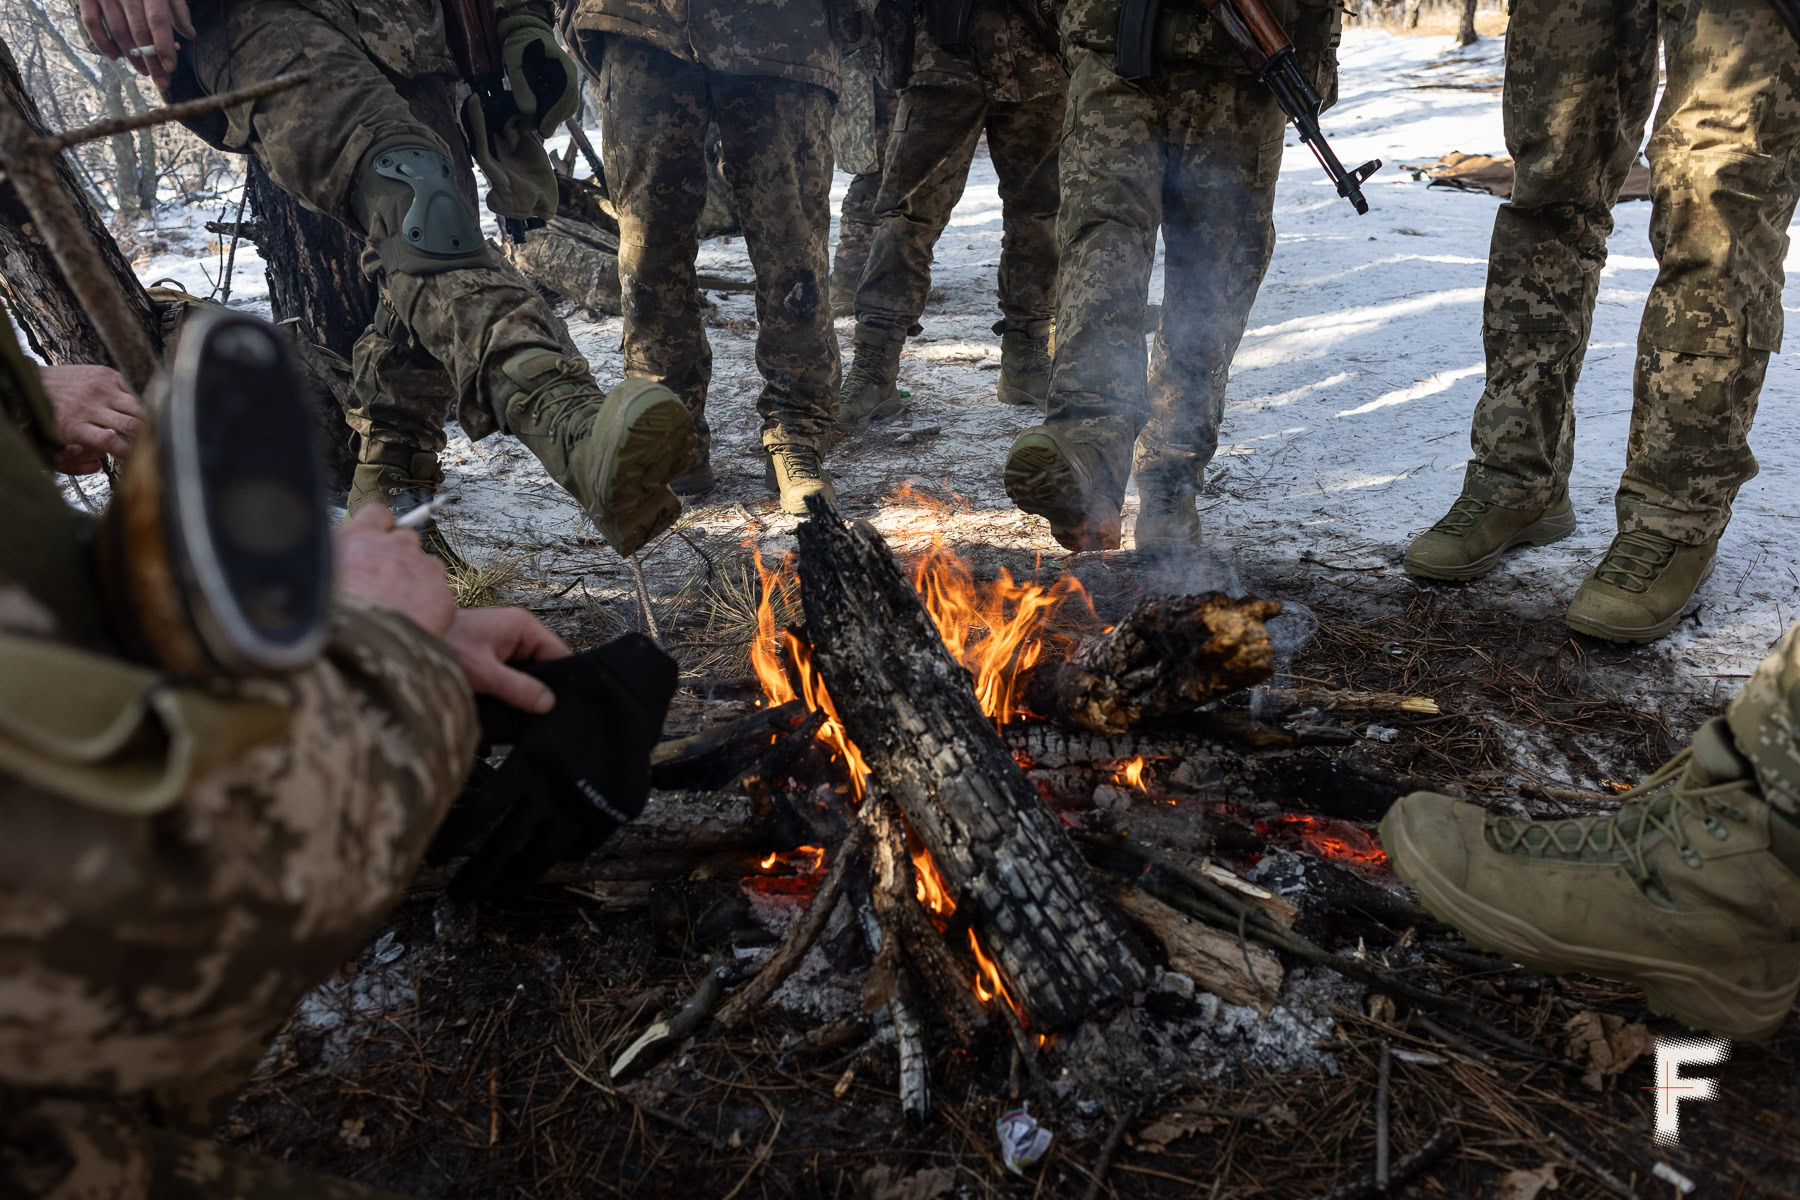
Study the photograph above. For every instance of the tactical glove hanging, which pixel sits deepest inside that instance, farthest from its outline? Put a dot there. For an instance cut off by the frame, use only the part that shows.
(540, 72)
(575, 774)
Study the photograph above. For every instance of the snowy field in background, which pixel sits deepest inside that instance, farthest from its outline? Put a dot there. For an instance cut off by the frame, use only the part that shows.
(1346, 428)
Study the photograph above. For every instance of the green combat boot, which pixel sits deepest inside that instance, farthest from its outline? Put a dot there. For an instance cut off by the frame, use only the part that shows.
(870, 391)
(1691, 891)
(1024, 363)
(1471, 537)
(1637, 591)
(795, 471)
(1076, 483)
(1168, 507)
(402, 488)
(614, 453)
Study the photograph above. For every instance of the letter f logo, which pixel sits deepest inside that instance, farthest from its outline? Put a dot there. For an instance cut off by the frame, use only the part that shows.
(1672, 1054)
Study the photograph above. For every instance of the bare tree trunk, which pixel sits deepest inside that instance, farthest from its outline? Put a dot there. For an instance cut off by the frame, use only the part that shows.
(56, 327)
(313, 264)
(1410, 13)
(1465, 33)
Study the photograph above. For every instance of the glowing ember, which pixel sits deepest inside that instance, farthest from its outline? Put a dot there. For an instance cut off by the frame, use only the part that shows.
(769, 862)
(1131, 773)
(1327, 838)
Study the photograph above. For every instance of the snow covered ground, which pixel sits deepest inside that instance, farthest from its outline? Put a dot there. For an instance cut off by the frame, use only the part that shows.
(1346, 429)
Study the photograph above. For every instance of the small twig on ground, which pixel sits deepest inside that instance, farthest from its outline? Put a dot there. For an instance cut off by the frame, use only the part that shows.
(643, 595)
(800, 937)
(656, 1040)
(1590, 1164)
(1108, 1148)
(761, 1159)
(1381, 1117)
(1403, 1170)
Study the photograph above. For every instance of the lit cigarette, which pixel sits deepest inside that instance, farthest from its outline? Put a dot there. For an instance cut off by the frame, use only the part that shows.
(146, 51)
(414, 517)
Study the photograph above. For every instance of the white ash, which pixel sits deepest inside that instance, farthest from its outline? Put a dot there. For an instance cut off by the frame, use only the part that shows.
(347, 1010)
(819, 990)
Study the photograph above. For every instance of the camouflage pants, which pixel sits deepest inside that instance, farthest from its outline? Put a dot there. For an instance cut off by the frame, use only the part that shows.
(1195, 152)
(655, 110)
(1765, 723)
(312, 140)
(861, 127)
(148, 956)
(1725, 171)
(936, 131)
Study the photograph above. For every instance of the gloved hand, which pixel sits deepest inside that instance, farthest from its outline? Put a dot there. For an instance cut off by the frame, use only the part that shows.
(542, 75)
(576, 773)
(521, 183)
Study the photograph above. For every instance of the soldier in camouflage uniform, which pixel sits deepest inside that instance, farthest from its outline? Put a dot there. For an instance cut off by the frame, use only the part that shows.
(766, 74)
(1690, 891)
(1003, 80)
(1194, 151)
(365, 141)
(182, 862)
(1581, 78)
(860, 127)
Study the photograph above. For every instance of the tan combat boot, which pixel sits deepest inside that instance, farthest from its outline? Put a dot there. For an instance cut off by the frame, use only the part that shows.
(1637, 591)
(1024, 363)
(870, 391)
(1168, 508)
(1471, 537)
(795, 471)
(1073, 475)
(614, 453)
(1690, 892)
(402, 485)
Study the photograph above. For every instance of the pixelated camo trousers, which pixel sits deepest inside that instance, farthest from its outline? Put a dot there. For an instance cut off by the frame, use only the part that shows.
(1765, 722)
(1724, 152)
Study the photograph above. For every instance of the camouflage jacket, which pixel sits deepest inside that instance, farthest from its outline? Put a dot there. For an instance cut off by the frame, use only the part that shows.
(1185, 33)
(405, 36)
(1004, 54)
(796, 40)
(181, 863)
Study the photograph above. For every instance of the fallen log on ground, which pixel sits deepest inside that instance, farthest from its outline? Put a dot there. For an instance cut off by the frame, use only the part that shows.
(1063, 950)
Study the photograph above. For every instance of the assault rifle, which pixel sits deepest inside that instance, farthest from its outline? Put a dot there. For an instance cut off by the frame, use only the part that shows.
(1266, 48)
(474, 38)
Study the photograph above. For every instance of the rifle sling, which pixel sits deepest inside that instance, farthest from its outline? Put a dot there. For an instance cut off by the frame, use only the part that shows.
(1135, 57)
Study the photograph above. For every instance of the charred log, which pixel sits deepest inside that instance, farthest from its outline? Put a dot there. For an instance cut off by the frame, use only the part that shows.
(1064, 950)
(1167, 657)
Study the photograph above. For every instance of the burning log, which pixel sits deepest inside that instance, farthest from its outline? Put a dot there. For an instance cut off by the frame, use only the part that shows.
(1167, 657)
(908, 707)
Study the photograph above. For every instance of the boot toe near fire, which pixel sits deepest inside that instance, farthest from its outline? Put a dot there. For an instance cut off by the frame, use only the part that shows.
(1640, 588)
(1065, 481)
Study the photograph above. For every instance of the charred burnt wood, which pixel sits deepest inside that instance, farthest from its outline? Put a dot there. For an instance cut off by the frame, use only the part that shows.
(1063, 949)
(1169, 655)
(800, 937)
(722, 754)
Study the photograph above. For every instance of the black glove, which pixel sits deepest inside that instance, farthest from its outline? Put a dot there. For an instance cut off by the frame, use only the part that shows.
(576, 773)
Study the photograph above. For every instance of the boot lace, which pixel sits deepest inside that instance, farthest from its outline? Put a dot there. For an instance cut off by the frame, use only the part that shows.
(1462, 516)
(798, 460)
(1669, 806)
(1634, 560)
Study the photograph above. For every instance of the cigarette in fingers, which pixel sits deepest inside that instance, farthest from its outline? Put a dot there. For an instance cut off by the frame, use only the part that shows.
(147, 51)
(414, 517)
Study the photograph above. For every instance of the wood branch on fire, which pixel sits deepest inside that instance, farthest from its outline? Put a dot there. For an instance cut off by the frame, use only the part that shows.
(1061, 947)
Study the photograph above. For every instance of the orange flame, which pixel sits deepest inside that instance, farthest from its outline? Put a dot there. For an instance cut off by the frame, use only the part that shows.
(1131, 773)
(996, 631)
(929, 885)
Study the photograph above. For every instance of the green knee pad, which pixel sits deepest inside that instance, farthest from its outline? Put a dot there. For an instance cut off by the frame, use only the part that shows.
(417, 218)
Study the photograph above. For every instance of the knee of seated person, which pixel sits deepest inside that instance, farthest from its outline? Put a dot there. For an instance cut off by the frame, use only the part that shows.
(413, 211)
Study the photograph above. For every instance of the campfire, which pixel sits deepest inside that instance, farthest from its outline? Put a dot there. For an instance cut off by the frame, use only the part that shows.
(1011, 796)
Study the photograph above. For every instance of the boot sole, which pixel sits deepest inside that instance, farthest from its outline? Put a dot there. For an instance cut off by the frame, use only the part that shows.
(647, 438)
(1690, 994)
(1041, 481)
(1638, 635)
(1543, 531)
